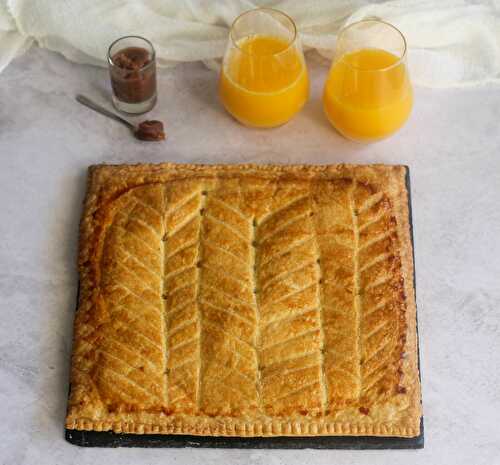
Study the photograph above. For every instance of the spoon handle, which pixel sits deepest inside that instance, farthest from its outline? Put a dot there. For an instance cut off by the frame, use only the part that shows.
(94, 106)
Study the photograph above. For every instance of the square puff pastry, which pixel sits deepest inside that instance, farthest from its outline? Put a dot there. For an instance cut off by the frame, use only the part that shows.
(246, 300)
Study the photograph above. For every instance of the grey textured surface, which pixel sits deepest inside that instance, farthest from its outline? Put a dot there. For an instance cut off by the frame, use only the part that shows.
(452, 145)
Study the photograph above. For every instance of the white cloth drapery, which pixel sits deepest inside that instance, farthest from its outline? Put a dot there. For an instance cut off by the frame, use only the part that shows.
(451, 42)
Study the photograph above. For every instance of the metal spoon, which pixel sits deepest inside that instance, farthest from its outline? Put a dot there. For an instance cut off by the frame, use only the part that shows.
(142, 132)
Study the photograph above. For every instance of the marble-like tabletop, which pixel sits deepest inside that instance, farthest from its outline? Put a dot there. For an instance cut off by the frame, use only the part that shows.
(47, 140)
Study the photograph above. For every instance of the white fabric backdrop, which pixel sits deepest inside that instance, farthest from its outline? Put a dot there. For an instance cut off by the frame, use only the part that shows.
(451, 42)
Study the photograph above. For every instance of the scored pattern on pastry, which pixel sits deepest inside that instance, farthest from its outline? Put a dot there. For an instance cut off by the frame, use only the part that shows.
(237, 296)
(361, 291)
(181, 241)
(229, 382)
(287, 273)
(380, 291)
(336, 246)
(130, 344)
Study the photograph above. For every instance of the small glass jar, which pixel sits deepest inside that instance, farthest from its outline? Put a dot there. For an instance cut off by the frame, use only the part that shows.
(132, 68)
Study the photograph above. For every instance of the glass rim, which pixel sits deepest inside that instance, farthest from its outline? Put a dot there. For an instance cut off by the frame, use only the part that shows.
(153, 51)
(289, 44)
(401, 58)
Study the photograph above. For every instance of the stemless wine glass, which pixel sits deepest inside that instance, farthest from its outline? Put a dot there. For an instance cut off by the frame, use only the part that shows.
(368, 95)
(263, 81)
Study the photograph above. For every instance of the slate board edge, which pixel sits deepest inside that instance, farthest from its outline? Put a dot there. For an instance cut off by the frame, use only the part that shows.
(110, 439)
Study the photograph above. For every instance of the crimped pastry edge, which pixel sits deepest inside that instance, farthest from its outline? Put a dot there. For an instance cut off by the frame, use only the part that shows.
(214, 427)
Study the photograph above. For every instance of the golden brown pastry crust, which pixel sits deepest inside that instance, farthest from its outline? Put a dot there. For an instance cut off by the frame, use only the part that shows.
(246, 300)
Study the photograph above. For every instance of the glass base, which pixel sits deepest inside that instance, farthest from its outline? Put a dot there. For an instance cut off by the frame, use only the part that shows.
(251, 125)
(361, 139)
(134, 108)
(256, 126)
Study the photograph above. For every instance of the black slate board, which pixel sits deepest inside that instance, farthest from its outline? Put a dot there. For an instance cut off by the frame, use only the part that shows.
(110, 439)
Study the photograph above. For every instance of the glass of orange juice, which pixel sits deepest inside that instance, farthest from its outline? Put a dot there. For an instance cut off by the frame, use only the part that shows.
(263, 81)
(368, 94)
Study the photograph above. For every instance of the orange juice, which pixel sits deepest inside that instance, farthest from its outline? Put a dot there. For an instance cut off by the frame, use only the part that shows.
(368, 95)
(263, 81)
